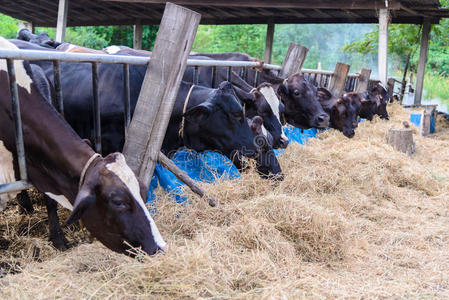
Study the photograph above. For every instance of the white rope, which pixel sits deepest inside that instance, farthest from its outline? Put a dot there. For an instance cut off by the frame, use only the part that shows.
(186, 101)
(86, 166)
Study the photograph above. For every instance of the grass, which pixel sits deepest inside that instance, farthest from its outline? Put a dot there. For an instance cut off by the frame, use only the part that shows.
(436, 86)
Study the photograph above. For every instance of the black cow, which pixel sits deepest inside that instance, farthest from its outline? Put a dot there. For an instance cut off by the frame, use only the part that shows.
(214, 120)
(103, 192)
(374, 102)
(343, 111)
(77, 94)
(261, 101)
(41, 39)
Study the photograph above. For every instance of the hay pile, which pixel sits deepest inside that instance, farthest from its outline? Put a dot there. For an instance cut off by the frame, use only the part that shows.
(353, 218)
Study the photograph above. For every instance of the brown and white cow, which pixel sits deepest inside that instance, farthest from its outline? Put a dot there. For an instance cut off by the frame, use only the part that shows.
(103, 192)
(343, 111)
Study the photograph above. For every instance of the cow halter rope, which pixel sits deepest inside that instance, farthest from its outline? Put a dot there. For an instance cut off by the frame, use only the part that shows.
(186, 102)
(86, 166)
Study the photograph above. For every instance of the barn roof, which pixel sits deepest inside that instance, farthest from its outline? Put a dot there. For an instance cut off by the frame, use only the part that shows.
(126, 12)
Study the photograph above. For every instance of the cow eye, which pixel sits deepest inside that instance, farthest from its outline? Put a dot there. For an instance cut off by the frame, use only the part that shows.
(118, 204)
(296, 92)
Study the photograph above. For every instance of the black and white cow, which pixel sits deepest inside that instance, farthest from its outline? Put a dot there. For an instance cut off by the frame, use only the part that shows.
(103, 192)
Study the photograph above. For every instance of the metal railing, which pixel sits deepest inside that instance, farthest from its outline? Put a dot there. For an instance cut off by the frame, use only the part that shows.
(94, 60)
(322, 78)
(318, 77)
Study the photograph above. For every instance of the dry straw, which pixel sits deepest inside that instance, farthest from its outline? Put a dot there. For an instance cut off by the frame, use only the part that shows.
(353, 218)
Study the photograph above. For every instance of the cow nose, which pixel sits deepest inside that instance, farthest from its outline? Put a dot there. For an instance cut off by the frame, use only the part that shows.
(323, 121)
(284, 142)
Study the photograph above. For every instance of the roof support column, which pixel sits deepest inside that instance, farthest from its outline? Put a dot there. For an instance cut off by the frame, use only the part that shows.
(62, 20)
(137, 35)
(384, 19)
(269, 43)
(422, 61)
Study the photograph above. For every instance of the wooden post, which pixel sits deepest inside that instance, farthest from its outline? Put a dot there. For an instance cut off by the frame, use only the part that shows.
(425, 123)
(159, 89)
(184, 177)
(62, 20)
(137, 35)
(294, 59)
(363, 80)
(269, 43)
(422, 62)
(339, 79)
(401, 140)
(384, 19)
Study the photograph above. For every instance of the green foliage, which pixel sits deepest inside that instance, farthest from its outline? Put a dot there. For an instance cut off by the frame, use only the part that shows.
(8, 27)
(437, 86)
(231, 38)
(405, 39)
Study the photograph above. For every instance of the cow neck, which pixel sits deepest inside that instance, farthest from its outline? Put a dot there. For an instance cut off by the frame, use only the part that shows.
(57, 155)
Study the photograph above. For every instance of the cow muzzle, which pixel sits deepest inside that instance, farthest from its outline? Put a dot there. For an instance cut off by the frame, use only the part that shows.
(322, 121)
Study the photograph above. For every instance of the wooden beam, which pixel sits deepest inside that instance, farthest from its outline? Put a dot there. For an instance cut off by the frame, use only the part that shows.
(318, 4)
(137, 35)
(363, 80)
(62, 20)
(159, 89)
(338, 80)
(422, 62)
(294, 59)
(390, 86)
(384, 20)
(412, 11)
(269, 43)
(184, 177)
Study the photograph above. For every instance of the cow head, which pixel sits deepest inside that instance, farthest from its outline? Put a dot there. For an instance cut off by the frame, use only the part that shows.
(110, 204)
(343, 111)
(264, 102)
(381, 96)
(369, 106)
(219, 124)
(302, 108)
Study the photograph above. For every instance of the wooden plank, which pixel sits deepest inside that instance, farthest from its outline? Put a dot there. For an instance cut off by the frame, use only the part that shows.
(184, 177)
(390, 86)
(339, 79)
(137, 35)
(363, 80)
(269, 43)
(422, 62)
(62, 20)
(384, 19)
(159, 89)
(294, 59)
(318, 4)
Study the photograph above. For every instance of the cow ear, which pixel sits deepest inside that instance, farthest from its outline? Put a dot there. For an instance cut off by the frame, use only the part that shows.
(198, 113)
(225, 86)
(323, 94)
(85, 198)
(283, 90)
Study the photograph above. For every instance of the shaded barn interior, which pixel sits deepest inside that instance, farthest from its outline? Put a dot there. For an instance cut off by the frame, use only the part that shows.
(44, 13)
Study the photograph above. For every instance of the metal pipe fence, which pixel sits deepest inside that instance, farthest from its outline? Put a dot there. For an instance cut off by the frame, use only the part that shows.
(318, 77)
